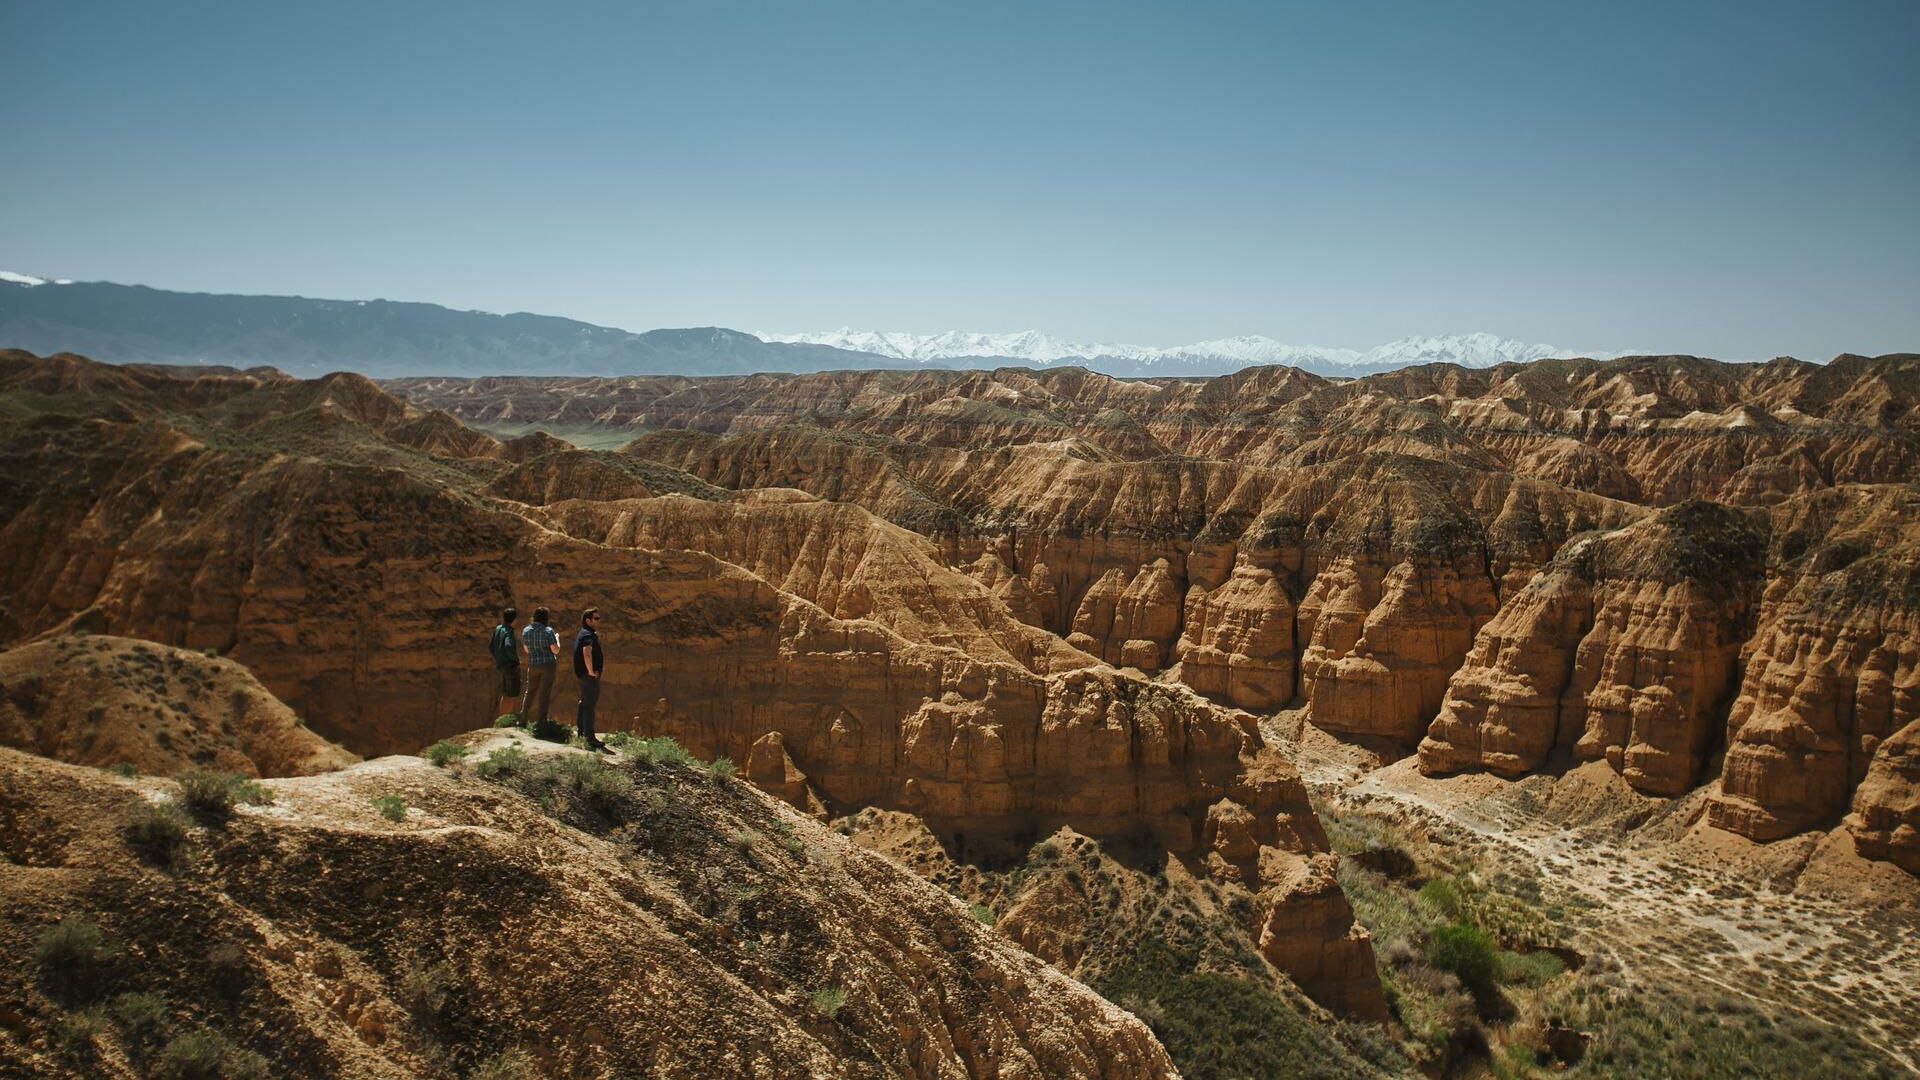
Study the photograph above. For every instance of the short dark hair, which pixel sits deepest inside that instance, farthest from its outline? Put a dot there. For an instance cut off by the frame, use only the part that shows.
(507, 615)
(588, 614)
(540, 615)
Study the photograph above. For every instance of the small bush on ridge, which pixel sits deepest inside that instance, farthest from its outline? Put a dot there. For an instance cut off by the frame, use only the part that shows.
(444, 753)
(391, 807)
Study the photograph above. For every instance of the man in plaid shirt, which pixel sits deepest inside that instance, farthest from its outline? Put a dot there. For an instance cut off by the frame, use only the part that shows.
(541, 646)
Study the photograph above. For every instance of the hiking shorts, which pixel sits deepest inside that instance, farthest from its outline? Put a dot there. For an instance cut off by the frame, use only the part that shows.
(510, 681)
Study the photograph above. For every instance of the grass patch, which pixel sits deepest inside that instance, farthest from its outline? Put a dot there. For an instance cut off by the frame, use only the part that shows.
(75, 1032)
(202, 1055)
(503, 761)
(828, 1001)
(444, 753)
(721, 770)
(507, 1065)
(216, 793)
(141, 1015)
(507, 720)
(659, 751)
(983, 914)
(391, 807)
(425, 987)
(1220, 1026)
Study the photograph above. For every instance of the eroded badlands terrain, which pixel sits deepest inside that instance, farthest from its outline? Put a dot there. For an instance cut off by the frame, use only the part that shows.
(1065, 646)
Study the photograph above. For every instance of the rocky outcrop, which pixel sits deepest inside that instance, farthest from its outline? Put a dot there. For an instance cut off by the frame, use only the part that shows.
(1885, 822)
(1236, 643)
(1834, 666)
(1380, 641)
(1624, 650)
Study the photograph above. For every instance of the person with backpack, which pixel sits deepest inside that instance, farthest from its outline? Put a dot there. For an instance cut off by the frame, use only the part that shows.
(541, 646)
(589, 663)
(506, 662)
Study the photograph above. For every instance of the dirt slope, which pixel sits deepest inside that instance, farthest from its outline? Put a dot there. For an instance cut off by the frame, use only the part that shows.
(669, 925)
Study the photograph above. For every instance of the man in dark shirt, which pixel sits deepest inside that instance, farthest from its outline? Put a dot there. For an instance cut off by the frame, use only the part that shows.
(588, 663)
(506, 662)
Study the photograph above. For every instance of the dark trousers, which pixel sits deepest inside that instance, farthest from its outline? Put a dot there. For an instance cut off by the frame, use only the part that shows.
(589, 699)
(533, 705)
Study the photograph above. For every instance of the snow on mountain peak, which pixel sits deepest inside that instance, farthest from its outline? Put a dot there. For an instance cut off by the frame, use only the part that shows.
(1229, 353)
(28, 280)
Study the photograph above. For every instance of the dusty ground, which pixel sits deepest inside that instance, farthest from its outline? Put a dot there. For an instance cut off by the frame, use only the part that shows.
(1803, 924)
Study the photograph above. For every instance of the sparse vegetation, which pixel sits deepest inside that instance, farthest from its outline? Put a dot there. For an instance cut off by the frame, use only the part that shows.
(76, 1031)
(123, 769)
(74, 954)
(828, 1001)
(503, 761)
(505, 720)
(444, 753)
(507, 1065)
(548, 729)
(983, 914)
(721, 769)
(202, 1055)
(216, 793)
(660, 750)
(158, 834)
(425, 986)
(392, 807)
(141, 1015)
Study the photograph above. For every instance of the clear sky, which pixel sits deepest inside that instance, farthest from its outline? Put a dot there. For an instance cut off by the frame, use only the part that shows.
(1732, 179)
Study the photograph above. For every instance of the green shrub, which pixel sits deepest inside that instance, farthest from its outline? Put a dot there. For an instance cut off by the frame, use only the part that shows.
(505, 761)
(661, 751)
(984, 914)
(74, 953)
(444, 753)
(76, 1031)
(159, 835)
(619, 740)
(216, 792)
(143, 1016)
(507, 1065)
(547, 729)
(1443, 896)
(124, 769)
(605, 788)
(1468, 953)
(391, 807)
(507, 720)
(828, 1001)
(425, 987)
(721, 770)
(193, 1055)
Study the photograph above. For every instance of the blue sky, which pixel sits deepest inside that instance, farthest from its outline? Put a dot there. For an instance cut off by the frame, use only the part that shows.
(1738, 180)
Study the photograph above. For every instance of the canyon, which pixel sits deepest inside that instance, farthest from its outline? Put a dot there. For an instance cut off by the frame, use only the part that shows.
(961, 615)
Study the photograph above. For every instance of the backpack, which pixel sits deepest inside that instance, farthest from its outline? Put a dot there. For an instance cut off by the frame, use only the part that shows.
(502, 648)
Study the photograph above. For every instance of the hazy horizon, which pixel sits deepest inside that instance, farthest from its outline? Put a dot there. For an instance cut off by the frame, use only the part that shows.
(1727, 181)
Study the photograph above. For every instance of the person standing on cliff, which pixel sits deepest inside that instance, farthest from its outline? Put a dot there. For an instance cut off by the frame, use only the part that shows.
(542, 649)
(506, 661)
(588, 664)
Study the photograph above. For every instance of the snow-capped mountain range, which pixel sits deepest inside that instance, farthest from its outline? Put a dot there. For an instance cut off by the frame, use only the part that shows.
(1204, 357)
